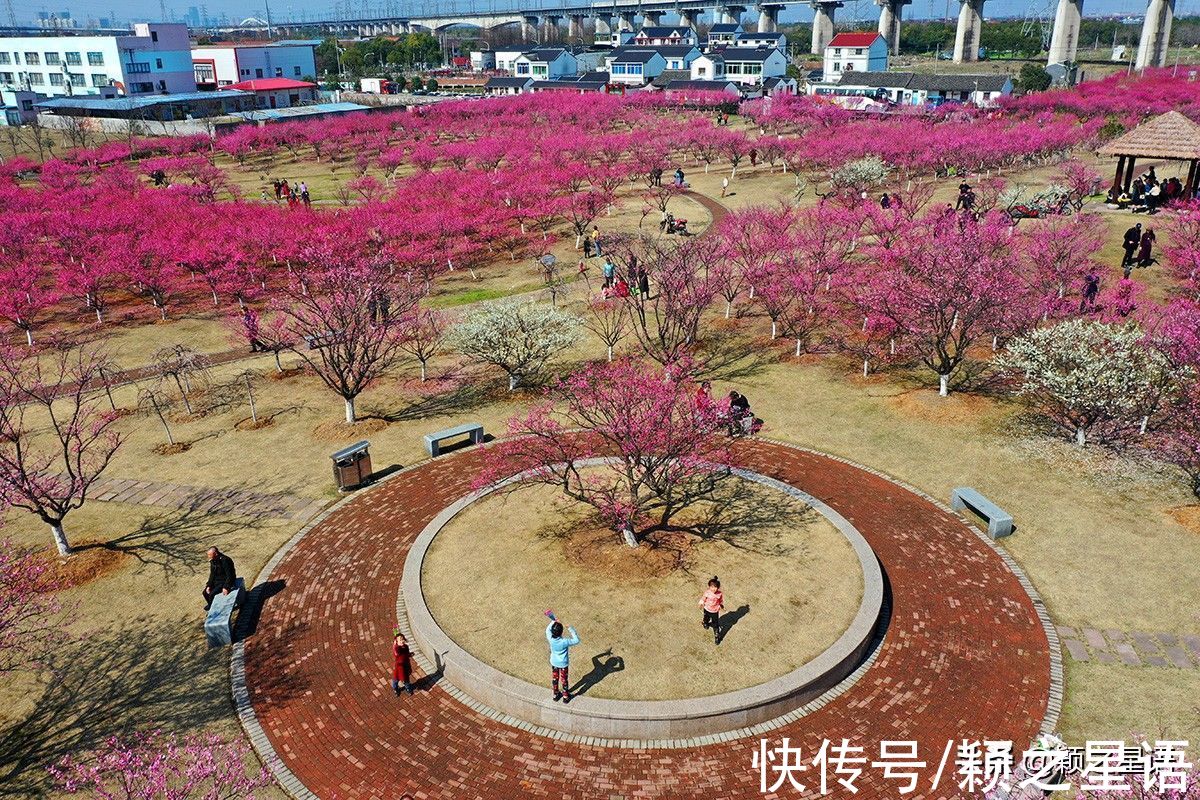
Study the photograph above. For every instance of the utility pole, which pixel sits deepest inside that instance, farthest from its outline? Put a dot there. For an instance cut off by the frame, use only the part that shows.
(12, 15)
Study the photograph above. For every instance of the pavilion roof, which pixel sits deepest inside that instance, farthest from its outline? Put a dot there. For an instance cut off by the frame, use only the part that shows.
(1170, 135)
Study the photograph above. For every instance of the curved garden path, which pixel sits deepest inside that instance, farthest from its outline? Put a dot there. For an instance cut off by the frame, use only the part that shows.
(967, 654)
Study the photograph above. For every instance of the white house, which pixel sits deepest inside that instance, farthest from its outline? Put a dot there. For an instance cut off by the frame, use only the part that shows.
(545, 63)
(910, 88)
(684, 88)
(677, 56)
(773, 87)
(614, 38)
(750, 65)
(855, 52)
(155, 57)
(482, 59)
(225, 65)
(774, 39)
(16, 107)
(708, 67)
(635, 66)
(655, 35)
(505, 59)
(499, 85)
(724, 33)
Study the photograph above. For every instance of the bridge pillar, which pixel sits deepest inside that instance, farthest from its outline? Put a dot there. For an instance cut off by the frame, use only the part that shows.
(550, 24)
(529, 26)
(603, 25)
(768, 18)
(890, 12)
(652, 18)
(575, 27)
(688, 17)
(1156, 34)
(1064, 42)
(626, 20)
(970, 27)
(822, 30)
(732, 14)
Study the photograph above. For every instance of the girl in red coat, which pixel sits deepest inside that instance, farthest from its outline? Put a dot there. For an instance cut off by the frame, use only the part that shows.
(401, 664)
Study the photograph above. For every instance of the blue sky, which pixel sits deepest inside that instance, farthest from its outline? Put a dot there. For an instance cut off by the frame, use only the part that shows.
(238, 9)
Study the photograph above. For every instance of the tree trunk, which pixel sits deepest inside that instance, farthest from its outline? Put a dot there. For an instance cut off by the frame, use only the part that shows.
(610, 352)
(774, 329)
(943, 385)
(798, 341)
(350, 410)
(512, 381)
(728, 307)
(866, 366)
(60, 538)
(628, 536)
(29, 336)
(250, 394)
(422, 371)
(278, 363)
(1080, 437)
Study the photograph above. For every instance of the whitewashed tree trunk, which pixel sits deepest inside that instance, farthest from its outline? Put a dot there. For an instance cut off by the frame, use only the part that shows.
(1080, 437)
(610, 354)
(774, 328)
(944, 385)
(798, 342)
(350, 410)
(866, 366)
(1144, 425)
(60, 538)
(627, 535)
(512, 382)
(422, 371)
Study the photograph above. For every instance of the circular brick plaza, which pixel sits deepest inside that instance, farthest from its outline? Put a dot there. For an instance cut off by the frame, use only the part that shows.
(967, 653)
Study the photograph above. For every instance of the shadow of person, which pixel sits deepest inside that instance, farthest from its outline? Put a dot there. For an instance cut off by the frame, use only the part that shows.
(730, 619)
(603, 665)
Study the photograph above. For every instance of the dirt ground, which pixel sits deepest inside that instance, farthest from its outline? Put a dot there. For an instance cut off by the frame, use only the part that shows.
(792, 586)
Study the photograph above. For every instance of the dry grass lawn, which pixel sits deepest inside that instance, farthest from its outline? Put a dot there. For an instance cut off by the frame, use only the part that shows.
(792, 586)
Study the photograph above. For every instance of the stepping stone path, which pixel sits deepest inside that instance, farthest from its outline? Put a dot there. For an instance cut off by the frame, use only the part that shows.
(966, 655)
(199, 498)
(1132, 648)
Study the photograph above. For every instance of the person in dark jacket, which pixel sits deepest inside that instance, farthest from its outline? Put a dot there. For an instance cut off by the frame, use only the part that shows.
(222, 577)
(1133, 240)
(1146, 250)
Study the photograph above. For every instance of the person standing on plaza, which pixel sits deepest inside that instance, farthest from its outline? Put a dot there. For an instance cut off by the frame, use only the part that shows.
(596, 241)
(610, 270)
(713, 602)
(401, 664)
(278, 189)
(560, 658)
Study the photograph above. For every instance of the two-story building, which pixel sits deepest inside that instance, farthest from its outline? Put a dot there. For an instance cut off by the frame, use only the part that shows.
(226, 64)
(723, 34)
(658, 35)
(678, 56)
(708, 67)
(505, 59)
(545, 63)
(748, 66)
(154, 57)
(634, 66)
(855, 52)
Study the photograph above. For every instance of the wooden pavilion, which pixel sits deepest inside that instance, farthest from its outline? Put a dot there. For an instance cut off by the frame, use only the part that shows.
(1170, 136)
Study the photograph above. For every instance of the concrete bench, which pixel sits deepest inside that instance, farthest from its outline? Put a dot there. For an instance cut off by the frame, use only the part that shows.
(434, 440)
(218, 625)
(1000, 522)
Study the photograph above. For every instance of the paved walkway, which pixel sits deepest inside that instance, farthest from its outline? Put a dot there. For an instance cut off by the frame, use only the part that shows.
(967, 654)
(198, 498)
(1132, 648)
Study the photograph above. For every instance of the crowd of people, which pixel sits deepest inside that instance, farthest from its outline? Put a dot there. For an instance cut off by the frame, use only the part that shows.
(1146, 194)
(289, 192)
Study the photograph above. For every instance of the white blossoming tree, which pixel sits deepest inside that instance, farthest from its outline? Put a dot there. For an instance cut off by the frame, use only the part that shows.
(1094, 381)
(519, 338)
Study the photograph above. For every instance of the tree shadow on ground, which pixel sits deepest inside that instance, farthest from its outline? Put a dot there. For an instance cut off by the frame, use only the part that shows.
(149, 673)
(176, 541)
(747, 516)
(464, 397)
(732, 356)
(603, 665)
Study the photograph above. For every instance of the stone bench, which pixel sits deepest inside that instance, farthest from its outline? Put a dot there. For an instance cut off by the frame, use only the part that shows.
(433, 440)
(1000, 522)
(218, 625)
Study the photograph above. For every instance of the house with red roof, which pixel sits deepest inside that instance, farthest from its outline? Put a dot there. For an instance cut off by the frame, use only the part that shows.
(277, 92)
(855, 52)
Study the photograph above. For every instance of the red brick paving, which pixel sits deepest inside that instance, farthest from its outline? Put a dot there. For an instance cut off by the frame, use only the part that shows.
(965, 656)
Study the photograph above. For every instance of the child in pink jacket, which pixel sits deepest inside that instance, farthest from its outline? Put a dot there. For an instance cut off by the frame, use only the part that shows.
(712, 601)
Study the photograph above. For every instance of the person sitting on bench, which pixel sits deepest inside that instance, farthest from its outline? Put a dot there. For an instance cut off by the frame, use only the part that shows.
(222, 577)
